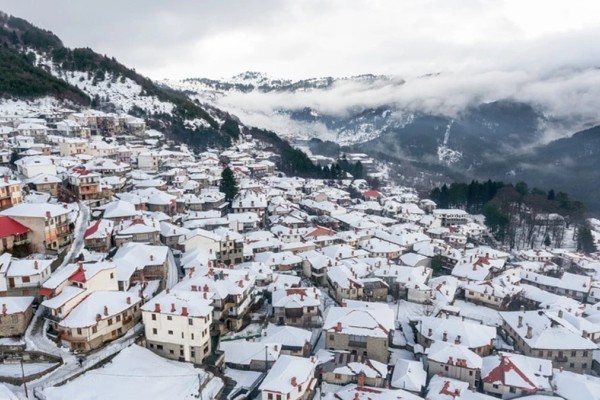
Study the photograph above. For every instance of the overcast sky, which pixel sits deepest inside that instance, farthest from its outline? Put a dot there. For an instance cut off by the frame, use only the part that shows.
(299, 39)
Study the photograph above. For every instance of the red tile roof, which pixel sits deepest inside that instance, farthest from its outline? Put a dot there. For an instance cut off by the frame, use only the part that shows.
(92, 229)
(372, 193)
(10, 227)
(78, 276)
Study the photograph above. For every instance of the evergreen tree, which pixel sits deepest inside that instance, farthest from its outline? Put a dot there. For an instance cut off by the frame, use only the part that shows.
(228, 184)
(585, 240)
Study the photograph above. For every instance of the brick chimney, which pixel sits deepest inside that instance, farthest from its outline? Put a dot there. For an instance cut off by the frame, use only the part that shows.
(5, 179)
(151, 257)
(35, 264)
(205, 295)
(445, 336)
(205, 288)
(156, 307)
(184, 311)
(172, 307)
(294, 381)
(520, 323)
(168, 290)
(338, 327)
(360, 379)
(128, 300)
(105, 311)
(98, 317)
(48, 215)
(194, 288)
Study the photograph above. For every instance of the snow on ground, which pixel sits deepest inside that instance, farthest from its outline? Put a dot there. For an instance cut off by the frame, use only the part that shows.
(10, 107)
(137, 373)
(14, 370)
(251, 330)
(125, 93)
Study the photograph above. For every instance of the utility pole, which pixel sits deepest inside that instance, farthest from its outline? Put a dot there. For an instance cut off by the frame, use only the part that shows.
(23, 379)
(200, 382)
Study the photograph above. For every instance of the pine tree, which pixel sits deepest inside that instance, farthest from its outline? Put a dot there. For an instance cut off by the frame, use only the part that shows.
(228, 184)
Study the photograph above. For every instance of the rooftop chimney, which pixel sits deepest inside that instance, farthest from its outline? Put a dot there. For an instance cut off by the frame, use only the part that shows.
(338, 327)
(457, 340)
(184, 311)
(360, 379)
(98, 317)
(529, 332)
(105, 310)
(156, 307)
(429, 332)
(128, 300)
(172, 307)
(4, 311)
(445, 336)
(35, 264)
(520, 323)
(294, 381)
(560, 313)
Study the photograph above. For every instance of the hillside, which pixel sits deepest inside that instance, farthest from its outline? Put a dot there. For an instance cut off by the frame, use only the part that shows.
(34, 63)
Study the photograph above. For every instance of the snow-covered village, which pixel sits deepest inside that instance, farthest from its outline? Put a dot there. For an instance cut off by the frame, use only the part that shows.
(135, 267)
(377, 214)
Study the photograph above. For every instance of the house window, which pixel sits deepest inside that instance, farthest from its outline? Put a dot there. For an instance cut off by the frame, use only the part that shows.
(110, 321)
(182, 335)
(79, 331)
(585, 353)
(192, 336)
(159, 347)
(541, 353)
(331, 337)
(170, 332)
(513, 389)
(112, 275)
(338, 376)
(572, 365)
(118, 318)
(584, 366)
(154, 331)
(270, 396)
(171, 351)
(445, 368)
(94, 329)
(169, 318)
(190, 321)
(25, 279)
(549, 354)
(153, 317)
(470, 373)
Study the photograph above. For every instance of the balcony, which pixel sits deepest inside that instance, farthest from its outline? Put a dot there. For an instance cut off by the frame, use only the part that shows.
(293, 313)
